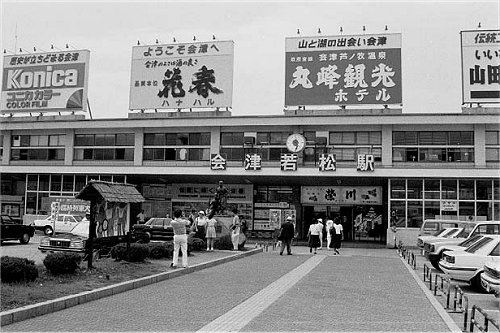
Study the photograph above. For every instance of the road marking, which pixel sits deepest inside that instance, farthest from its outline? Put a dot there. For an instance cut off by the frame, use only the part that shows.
(239, 316)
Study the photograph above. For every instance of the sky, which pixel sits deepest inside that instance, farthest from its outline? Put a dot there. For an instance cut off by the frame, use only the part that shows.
(430, 52)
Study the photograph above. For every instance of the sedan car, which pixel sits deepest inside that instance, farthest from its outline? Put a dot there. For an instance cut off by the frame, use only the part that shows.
(443, 233)
(434, 249)
(467, 265)
(12, 230)
(490, 278)
(156, 228)
(64, 223)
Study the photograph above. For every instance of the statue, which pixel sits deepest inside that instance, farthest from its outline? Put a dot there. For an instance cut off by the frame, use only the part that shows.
(219, 202)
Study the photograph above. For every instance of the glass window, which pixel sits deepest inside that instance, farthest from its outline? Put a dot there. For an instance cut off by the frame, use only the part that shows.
(310, 136)
(432, 155)
(398, 188)
(68, 183)
(398, 209)
(80, 182)
(362, 138)
(492, 137)
(465, 209)
(432, 190)
(194, 139)
(125, 139)
(262, 138)
(492, 154)
(182, 139)
(159, 154)
(34, 139)
(415, 189)
(398, 154)
(484, 190)
(449, 189)
(348, 138)
(32, 182)
(232, 139)
(54, 140)
(496, 210)
(415, 214)
(148, 154)
(43, 140)
(496, 189)
(484, 210)
(84, 140)
(466, 189)
(432, 210)
(170, 154)
(44, 181)
(55, 183)
(278, 138)
(375, 138)
(88, 154)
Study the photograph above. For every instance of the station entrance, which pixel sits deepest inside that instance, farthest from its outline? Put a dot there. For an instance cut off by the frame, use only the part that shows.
(361, 223)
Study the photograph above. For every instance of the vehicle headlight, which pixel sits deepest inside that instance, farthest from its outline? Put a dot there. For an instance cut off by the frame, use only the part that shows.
(45, 241)
(450, 259)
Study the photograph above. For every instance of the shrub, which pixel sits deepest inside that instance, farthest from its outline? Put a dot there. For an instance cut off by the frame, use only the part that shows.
(196, 244)
(14, 269)
(62, 262)
(160, 250)
(138, 252)
(223, 243)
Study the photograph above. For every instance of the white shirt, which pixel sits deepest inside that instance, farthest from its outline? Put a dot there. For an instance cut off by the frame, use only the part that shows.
(329, 224)
(313, 229)
(338, 228)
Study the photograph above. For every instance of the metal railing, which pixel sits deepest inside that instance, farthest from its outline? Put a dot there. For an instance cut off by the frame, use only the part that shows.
(487, 319)
(408, 255)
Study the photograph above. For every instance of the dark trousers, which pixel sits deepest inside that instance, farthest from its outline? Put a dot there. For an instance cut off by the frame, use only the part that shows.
(286, 242)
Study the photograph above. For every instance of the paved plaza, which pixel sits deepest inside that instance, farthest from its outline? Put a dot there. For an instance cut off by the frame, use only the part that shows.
(364, 290)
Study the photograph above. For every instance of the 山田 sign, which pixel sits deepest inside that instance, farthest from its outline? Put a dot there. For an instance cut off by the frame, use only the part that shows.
(480, 66)
(343, 70)
(53, 81)
(180, 76)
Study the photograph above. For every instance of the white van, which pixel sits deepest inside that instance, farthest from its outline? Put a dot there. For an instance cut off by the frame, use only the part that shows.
(430, 227)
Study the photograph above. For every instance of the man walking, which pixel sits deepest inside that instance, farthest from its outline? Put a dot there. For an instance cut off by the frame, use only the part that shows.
(286, 235)
(180, 239)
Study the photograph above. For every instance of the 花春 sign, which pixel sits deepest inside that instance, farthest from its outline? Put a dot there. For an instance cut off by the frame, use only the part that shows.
(53, 81)
(480, 66)
(343, 70)
(177, 76)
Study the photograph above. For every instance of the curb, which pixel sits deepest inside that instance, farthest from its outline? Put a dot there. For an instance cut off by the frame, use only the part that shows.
(61, 303)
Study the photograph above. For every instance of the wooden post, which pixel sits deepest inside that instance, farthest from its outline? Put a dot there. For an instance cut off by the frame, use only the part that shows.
(92, 235)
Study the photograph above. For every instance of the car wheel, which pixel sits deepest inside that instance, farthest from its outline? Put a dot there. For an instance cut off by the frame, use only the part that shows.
(435, 264)
(148, 234)
(475, 283)
(25, 238)
(47, 230)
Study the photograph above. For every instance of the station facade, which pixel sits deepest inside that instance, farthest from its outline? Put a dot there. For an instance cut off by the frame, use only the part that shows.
(390, 170)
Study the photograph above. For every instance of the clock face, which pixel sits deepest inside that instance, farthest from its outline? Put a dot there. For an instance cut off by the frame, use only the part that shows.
(295, 143)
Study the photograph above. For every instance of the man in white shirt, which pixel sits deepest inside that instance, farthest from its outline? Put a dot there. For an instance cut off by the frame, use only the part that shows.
(180, 238)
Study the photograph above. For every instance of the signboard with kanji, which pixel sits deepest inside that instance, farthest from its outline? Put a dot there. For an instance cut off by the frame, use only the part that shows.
(341, 195)
(183, 75)
(44, 82)
(480, 66)
(343, 70)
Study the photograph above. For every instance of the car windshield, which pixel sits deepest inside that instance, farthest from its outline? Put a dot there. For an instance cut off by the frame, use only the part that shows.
(449, 233)
(470, 241)
(476, 246)
(439, 232)
(78, 218)
(496, 251)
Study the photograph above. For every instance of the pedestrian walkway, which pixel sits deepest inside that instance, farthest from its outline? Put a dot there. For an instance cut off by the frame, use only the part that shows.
(370, 290)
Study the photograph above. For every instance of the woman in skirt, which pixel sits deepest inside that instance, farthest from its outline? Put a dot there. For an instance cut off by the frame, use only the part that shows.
(337, 234)
(313, 235)
(210, 235)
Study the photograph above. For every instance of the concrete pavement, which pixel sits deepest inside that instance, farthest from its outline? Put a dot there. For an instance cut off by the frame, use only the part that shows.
(368, 290)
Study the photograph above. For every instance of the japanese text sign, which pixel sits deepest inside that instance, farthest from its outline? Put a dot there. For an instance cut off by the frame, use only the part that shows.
(343, 70)
(173, 76)
(42, 82)
(361, 195)
(480, 66)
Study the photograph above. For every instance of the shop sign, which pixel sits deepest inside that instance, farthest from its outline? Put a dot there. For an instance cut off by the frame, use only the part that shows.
(288, 162)
(71, 206)
(283, 205)
(253, 162)
(327, 162)
(365, 162)
(183, 75)
(43, 82)
(480, 66)
(275, 218)
(204, 193)
(449, 206)
(341, 195)
(343, 70)
(217, 162)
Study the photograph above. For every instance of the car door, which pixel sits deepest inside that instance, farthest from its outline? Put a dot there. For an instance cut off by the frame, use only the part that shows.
(70, 222)
(8, 229)
(60, 225)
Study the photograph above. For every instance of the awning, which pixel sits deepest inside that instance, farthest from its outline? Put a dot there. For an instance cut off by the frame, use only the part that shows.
(111, 192)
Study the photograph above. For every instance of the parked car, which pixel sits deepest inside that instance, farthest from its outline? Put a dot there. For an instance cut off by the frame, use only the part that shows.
(76, 240)
(12, 230)
(434, 248)
(156, 228)
(430, 227)
(442, 234)
(490, 277)
(64, 223)
(467, 265)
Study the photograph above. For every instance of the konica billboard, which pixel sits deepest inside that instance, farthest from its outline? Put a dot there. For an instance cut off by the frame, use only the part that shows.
(343, 70)
(181, 76)
(480, 66)
(42, 82)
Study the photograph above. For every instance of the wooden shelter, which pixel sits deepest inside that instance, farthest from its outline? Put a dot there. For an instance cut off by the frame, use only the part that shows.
(109, 209)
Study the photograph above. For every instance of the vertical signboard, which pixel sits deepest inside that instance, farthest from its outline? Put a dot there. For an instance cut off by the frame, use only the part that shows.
(343, 70)
(480, 66)
(177, 76)
(41, 82)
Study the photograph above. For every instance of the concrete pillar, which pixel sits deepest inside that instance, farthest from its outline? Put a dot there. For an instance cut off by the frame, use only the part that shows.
(387, 145)
(69, 146)
(7, 137)
(215, 140)
(139, 146)
(479, 145)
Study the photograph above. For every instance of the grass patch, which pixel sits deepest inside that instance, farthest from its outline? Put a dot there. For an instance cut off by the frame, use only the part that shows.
(106, 272)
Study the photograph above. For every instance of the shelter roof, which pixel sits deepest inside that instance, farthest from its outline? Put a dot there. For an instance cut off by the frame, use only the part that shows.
(111, 192)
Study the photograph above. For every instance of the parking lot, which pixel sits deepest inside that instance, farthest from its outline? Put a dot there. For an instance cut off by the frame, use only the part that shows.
(456, 297)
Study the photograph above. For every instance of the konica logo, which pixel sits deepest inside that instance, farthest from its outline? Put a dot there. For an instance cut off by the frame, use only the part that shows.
(21, 78)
